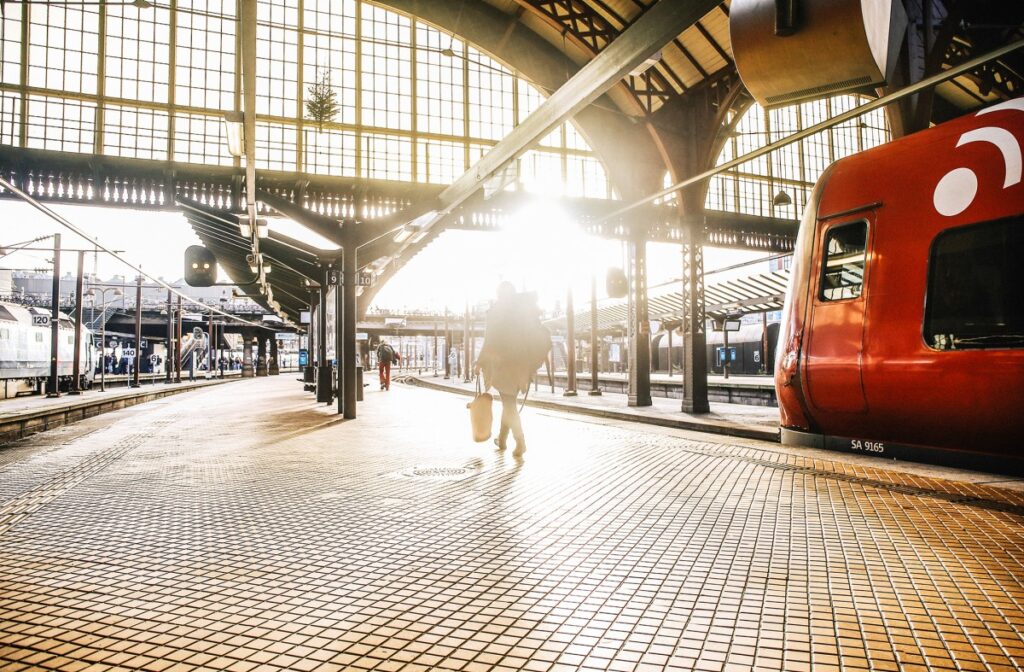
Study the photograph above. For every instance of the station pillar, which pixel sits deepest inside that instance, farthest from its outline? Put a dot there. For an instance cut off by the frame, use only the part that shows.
(247, 369)
(274, 368)
(639, 393)
(261, 355)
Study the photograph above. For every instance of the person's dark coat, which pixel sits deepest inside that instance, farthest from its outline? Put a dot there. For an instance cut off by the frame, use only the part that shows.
(515, 344)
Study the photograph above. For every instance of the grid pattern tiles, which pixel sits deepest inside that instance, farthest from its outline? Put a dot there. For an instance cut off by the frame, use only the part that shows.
(164, 537)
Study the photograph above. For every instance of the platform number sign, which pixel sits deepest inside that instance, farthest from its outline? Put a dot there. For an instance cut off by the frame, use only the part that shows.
(334, 278)
(40, 320)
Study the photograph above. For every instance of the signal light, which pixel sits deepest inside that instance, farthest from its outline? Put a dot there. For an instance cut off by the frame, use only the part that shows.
(200, 267)
(616, 284)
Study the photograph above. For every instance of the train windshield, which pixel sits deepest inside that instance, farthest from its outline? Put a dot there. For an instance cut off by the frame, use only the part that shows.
(974, 295)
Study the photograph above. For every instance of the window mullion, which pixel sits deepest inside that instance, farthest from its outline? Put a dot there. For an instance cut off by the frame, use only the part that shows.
(26, 11)
(300, 127)
(172, 61)
(414, 89)
(359, 96)
(101, 76)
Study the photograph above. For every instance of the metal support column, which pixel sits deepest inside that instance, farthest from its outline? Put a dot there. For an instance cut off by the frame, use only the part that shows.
(169, 356)
(570, 346)
(339, 340)
(211, 339)
(261, 355)
(76, 382)
(447, 346)
(465, 348)
(324, 372)
(247, 368)
(274, 367)
(177, 346)
(695, 356)
(347, 347)
(52, 384)
(595, 347)
(138, 331)
(669, 330)
(434, 358)
(639, 337)
(725, 352)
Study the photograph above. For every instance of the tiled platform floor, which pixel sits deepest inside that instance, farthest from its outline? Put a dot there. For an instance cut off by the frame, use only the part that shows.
(241, 528)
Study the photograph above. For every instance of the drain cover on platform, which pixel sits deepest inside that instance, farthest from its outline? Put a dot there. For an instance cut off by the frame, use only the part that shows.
(435, 472)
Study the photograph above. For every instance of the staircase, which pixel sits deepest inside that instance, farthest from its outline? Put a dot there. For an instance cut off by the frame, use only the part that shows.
(96, 323)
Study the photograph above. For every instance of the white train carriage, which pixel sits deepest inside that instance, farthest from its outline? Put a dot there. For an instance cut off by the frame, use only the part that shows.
(25, 350)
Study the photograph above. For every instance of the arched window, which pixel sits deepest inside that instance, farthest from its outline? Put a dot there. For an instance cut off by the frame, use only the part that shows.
(751, 188)
(413, 103)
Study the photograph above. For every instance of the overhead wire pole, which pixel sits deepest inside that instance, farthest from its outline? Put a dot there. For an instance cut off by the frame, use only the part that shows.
(52, 384)
(138, 332)
(168, 359)
(76, 382)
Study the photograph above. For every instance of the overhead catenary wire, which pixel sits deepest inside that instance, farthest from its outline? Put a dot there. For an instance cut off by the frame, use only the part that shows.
(114, 253)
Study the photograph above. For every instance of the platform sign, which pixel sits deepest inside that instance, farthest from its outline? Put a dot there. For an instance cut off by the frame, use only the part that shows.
(303, 357)
(128, 352)
(364, 279)
(40, 320)
(333, 278)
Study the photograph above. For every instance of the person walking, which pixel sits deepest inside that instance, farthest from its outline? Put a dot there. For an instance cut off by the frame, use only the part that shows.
(515, 344)
(386, 355)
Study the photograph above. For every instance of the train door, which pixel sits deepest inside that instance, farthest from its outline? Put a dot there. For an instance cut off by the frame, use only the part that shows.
(836, 334)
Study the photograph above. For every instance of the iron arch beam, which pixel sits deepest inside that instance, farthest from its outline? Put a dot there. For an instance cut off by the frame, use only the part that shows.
(619, 142)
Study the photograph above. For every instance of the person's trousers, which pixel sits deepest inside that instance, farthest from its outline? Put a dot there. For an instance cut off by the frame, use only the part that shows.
(510, 420)
(385, 374)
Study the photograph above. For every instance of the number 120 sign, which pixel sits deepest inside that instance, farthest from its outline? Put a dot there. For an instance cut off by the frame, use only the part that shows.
(41, 320)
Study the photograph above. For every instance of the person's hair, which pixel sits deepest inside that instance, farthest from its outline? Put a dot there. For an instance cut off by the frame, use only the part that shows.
(506, 290)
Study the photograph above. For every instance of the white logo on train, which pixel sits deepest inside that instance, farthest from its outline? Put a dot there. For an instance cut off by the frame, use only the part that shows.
(956, 190)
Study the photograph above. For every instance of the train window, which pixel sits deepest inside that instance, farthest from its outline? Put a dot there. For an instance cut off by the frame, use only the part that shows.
(974, 298)
(5, 333)
(39, 337)
(843, 268)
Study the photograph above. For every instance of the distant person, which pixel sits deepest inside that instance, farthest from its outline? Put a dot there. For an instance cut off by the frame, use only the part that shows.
(453, 363)
(386, 356)
(515, 344)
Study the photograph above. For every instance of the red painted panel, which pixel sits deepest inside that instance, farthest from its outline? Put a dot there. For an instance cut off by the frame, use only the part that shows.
(963, 172)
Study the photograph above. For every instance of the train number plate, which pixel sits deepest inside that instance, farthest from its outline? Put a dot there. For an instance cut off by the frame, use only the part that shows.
(857, 445)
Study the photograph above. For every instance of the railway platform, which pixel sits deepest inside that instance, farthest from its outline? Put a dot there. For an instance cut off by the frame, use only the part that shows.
(741, 420)
(160, 537)
(23, 416)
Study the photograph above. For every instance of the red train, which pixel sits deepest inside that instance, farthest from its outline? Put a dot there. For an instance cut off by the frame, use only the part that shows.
(903, 332)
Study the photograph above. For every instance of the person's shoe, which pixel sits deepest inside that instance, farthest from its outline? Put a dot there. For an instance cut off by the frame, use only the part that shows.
(500, 444)
(382, 387)
(520, 449)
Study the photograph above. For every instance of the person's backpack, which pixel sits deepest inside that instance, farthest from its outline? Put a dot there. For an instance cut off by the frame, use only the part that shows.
(536, 338)
(385, 354)
(538, 343)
